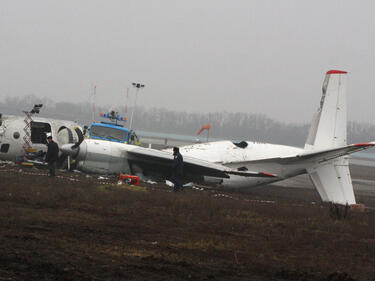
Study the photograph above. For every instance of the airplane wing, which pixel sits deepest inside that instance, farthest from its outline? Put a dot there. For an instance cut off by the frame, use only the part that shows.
(318, 155)
(161, 161)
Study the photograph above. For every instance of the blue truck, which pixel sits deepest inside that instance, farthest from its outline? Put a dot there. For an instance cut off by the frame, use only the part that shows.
(112, 131)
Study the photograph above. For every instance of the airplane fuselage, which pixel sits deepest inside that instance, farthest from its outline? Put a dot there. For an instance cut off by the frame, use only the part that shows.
(12, 135)
(245, 164)
(105, 157)
(251, 156)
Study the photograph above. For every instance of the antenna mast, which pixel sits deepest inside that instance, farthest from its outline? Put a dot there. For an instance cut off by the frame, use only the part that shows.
(93, 96)
(137, 86)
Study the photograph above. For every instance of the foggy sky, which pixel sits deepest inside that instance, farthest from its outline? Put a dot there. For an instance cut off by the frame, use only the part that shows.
(249, 56)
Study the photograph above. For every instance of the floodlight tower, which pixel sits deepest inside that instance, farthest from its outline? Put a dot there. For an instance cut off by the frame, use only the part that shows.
(137, 86)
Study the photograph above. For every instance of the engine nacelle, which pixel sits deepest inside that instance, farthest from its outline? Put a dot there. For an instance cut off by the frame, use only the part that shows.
(103, 157)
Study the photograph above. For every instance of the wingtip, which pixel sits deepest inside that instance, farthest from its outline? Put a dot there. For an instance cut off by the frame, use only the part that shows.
(365, 144)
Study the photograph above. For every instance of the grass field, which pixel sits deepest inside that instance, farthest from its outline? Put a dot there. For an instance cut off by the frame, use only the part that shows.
(75, 228)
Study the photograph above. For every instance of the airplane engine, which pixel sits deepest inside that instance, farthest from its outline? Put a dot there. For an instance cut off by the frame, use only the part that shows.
(65, 136)
(102, 157)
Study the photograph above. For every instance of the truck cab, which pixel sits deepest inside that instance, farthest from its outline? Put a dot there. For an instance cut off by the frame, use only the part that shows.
(112, 131)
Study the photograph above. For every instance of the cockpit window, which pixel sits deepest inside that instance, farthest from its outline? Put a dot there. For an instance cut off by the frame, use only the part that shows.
(108, 133)
(39, 132)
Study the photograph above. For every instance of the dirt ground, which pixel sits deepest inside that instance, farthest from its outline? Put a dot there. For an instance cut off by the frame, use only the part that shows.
(75, 227)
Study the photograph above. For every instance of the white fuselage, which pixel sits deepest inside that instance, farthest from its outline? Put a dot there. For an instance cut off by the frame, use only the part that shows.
(253, 158)
(12, 135)
(106, 157)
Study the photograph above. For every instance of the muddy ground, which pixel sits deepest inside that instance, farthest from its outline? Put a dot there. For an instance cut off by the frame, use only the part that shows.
(77, 228)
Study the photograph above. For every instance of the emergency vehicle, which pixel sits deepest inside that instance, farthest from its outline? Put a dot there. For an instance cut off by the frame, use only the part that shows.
(113, 131)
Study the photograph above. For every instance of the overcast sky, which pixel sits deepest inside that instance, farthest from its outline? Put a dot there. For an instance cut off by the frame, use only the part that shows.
(249, 56)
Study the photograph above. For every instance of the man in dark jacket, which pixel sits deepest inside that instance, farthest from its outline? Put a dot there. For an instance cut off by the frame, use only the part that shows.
(177, 169)
(52, 155)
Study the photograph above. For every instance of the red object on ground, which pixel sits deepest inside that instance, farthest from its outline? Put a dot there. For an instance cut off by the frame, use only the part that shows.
(358, 208)
(132, 179)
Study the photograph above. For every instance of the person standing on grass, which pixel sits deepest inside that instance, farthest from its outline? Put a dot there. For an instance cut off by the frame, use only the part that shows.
(52, 155)
(177, 169)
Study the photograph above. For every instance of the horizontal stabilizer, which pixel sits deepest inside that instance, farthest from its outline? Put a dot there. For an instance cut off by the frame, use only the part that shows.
(328, 154)
(333, 182)
(318, 156)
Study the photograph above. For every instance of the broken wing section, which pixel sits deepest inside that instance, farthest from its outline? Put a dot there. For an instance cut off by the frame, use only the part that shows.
(153, 161)
(333, 181)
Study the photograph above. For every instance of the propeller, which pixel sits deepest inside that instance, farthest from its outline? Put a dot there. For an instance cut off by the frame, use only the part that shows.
(73, 149)
(68, 147)
(80, 137)
(64, 136)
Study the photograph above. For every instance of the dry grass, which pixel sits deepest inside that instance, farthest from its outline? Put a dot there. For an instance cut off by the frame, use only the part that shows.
(58, 229)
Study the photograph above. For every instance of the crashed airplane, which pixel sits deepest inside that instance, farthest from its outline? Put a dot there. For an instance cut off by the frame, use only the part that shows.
(109, 148)
(224, 163)
(324, 156)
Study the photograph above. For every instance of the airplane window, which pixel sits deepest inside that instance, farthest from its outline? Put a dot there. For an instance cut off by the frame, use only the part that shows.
(39, 132)
(4, 148)
(16, 135)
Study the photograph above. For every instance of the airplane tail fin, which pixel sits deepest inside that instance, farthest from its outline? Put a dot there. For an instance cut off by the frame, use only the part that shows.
(328, 130)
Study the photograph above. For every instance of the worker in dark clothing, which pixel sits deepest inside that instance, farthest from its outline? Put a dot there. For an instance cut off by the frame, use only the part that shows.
(52, 155)
(177, 169)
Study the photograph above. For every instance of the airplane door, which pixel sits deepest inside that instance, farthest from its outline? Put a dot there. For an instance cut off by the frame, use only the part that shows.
(39, 131)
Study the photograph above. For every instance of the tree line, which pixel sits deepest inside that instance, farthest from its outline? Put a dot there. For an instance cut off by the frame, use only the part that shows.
(224, 125)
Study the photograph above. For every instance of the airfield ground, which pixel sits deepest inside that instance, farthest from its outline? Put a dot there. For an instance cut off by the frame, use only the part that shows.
(79, 228)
